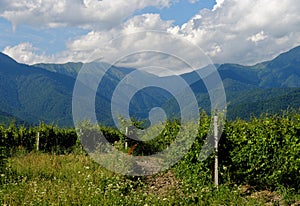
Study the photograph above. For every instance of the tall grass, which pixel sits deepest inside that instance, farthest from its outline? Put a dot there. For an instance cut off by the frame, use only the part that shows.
(50, 179)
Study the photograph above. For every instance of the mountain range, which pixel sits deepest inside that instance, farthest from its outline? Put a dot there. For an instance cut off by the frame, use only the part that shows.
(43, 92)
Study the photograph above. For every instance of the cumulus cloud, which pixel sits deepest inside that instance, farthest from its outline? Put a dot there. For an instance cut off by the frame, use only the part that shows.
(218, 4)
(100, 14)
(101, 39)
(257, 37)
(92, 40)
(234, 31)
(145, 22)
(142, 41)
(99, 42)
(245, 31)
(28, 54)
(24, 53)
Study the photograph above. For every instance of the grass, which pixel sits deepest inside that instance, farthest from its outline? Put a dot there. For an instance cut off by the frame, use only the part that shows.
(74, 179)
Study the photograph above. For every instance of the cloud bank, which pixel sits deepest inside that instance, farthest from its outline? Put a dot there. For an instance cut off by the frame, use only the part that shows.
(234, 31)
(92, 14)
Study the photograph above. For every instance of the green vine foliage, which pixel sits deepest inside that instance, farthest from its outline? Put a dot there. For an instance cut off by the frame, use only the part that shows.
(3, 152)
(51, 138)
(263, 152)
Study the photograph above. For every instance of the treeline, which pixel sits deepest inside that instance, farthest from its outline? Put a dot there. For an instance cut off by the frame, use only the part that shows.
(264, 152)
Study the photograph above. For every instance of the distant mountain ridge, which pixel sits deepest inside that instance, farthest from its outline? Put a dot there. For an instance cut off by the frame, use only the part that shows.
(34, 94)
(43, 92)
(70, 69)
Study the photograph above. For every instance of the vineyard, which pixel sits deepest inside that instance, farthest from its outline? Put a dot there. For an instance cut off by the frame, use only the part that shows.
(259, 164)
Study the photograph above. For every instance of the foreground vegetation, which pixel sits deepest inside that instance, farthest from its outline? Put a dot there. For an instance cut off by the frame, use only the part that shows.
(259, 165)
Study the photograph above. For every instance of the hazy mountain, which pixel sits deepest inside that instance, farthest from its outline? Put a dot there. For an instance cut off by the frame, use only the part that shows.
(70, 69)
(43, 92)
(34, 94)
(271, 86)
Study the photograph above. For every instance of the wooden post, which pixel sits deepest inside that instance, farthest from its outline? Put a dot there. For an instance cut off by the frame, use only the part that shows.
(37, 141)
(126, 133)
(216, 178)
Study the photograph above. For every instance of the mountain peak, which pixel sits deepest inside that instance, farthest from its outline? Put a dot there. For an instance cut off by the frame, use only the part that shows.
(6, 59)
(9, 66)
(287, 58)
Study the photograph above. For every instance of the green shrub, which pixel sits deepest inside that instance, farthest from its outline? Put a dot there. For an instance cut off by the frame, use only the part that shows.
(265, 152)
(3, 149)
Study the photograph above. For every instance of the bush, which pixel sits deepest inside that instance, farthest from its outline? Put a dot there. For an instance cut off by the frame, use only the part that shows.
(265, 152)
(3, 150)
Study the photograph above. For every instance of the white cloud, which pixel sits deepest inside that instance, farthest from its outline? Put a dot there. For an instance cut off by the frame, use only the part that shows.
(218, 4)
(140, 33)
(193, 1)
(257, 37)
(91, 14)
(145, 22)
(99, 42)
(236, 31)
(92, 40)
(234, 25)
(24, 53)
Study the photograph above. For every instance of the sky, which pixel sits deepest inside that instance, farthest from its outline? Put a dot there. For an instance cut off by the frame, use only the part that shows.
(226, 31)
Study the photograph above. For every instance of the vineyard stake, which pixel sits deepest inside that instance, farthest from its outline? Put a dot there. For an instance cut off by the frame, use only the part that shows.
(216, 178)
(37, 141)
(126, 134)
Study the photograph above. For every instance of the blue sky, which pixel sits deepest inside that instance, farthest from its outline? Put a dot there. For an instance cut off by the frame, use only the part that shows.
(180, 11)
(79, 30)
(48, 40)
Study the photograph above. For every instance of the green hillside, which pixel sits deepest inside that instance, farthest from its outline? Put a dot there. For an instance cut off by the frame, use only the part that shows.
(69, 69)
(34, 94)
(43, 92)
